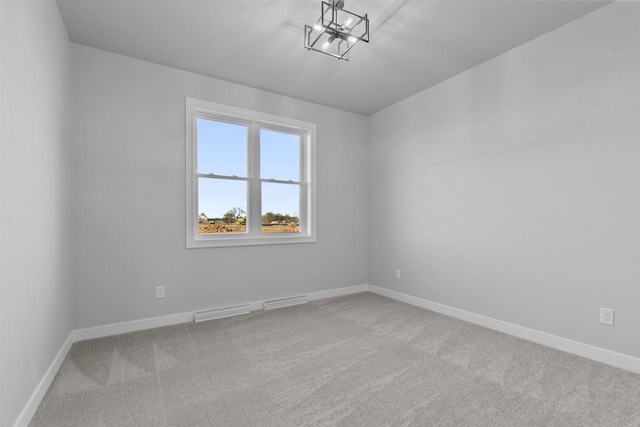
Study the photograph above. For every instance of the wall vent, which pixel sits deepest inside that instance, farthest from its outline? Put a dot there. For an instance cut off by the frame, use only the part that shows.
(219, 313)
(285, 302)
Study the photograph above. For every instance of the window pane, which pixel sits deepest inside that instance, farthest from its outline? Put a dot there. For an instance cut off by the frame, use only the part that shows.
(222, 148)
(279, 155)
(222, 206)
(280, 208)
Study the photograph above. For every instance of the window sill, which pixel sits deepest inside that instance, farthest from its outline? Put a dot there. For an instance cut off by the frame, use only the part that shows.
(231, 241)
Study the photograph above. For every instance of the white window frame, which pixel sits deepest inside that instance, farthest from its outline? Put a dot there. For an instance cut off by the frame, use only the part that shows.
(255, 121)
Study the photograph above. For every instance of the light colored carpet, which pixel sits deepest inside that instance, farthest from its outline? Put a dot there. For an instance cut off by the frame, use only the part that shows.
(359, 360)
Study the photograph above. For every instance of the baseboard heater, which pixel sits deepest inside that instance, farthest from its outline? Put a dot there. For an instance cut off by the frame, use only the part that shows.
(285, 302)
(219, 313)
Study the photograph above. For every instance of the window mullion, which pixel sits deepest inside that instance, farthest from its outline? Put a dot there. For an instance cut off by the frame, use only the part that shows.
(254, 204)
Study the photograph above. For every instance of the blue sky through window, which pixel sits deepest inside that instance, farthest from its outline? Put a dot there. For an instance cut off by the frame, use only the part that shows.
(279, 155)
(222, 150)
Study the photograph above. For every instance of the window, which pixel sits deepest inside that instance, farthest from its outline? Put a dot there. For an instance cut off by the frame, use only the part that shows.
(250, 177)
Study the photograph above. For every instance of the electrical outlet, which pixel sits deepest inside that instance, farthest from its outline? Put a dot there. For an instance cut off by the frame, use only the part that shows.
(397, 273)
(159, 291)
(606, 316)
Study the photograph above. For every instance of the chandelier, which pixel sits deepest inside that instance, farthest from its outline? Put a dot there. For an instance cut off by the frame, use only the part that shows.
(337, 30)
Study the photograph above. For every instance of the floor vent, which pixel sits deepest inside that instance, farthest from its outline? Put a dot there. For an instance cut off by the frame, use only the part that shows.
(219, 313)
(285, 302)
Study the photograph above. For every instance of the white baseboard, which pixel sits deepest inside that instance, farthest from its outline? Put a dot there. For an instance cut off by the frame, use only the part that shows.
(41, 389)
(331, 293)
(598, 354)
(132, 326)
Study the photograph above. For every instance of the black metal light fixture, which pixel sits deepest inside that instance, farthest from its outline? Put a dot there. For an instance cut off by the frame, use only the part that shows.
(337, 30)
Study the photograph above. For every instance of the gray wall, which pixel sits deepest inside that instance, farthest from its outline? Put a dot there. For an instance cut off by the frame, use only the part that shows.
(35, 198)
(513, 189)
(129, 197)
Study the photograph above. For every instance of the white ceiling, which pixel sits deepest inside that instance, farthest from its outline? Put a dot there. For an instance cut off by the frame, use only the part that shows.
(414, 44)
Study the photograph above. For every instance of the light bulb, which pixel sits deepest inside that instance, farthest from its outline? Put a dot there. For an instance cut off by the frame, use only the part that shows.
(318, 27)
(328, 42)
